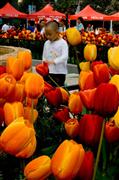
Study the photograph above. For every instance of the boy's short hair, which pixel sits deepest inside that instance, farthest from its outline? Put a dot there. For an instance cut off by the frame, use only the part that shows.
(53, 24)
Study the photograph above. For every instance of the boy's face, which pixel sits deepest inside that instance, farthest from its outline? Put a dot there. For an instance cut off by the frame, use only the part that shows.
(51, 34)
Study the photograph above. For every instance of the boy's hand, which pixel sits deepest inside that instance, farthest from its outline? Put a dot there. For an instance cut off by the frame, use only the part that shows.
(49, 62)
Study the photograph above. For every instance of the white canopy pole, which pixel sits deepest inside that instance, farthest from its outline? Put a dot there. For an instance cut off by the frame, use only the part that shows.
(111, 27)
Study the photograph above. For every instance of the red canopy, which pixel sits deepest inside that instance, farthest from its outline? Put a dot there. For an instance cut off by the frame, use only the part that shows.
(115, 17)
(9, 11)
(89, 13)
(47, 11)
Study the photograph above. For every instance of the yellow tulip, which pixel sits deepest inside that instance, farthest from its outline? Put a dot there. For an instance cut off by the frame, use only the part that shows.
(84, 66)
(115, 80)
(73, 36)
(90, 52)
(113, 57)
(116, 118)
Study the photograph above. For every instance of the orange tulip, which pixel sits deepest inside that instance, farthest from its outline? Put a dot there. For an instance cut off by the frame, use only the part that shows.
(72, 127)
(7, 84)
(29, 101)
(26, 57)
(73, 36)
(15, 67)
(86, 80)
(17, 94)
(90, 52)
(24, 77)
(65, 95)
(13, 111)
(67, 160)
(34, 86)
(75, 104)
(18, 139)
(38, 168)
(28, 114)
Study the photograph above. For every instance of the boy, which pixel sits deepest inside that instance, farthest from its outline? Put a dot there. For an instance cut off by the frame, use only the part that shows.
(55, 53)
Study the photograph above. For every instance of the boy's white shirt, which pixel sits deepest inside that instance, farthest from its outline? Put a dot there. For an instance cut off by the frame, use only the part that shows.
(57, 51)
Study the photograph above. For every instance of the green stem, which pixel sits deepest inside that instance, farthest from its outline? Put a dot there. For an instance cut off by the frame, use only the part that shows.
(53, 81)
(77, 59)
(57, 83)
(32, 114)
(99, 149)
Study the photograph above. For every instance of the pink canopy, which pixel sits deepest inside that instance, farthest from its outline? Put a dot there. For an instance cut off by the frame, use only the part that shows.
(89, 13)
(47, 11)
(115, 17)
(9, 11)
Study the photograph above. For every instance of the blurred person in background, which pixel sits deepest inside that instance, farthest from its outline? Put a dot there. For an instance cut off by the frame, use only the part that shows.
(80, 24)
(62, 25)
(5, 26)
(42, 26)
(31, 26)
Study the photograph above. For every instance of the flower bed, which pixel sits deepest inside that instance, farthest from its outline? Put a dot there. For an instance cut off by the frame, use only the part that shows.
(52, 133)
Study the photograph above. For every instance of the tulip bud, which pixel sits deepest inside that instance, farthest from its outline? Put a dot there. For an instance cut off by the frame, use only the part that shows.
(90, 126)
(13, 111)
(90, 52)
(72, 127)
(86, 80)
(34, 86)
(113, 57)
(42, 69)
(62, 114)
(67, 160)
(111, 132)
(18, 138)
(75, 105)
(38, 168)
(73, 36)
(26, 57)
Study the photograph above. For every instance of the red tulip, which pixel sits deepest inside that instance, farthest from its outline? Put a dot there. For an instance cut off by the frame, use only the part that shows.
(113, 71)
(47, 87)
(90, 128)
(86, 169)
(72, 127)
(54, 96)
(2, 69)
(101, 73)
(94, 63)
(106, 99)
(111, 132)
(87, 98)
(2, 118)
(62, 114)
(42, 69)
